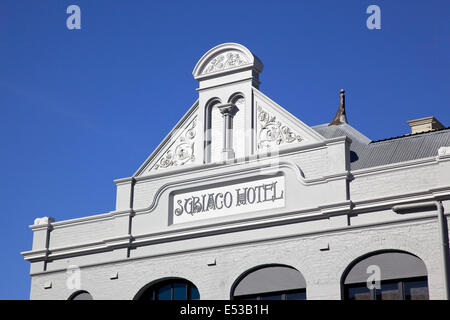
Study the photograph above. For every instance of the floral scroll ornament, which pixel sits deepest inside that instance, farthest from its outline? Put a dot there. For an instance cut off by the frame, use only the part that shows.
(273, 132)
(182, 153)
(225, 61)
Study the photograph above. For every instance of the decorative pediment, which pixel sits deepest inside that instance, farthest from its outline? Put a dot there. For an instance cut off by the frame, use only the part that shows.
(224, 58)
(227, 60)
(181, 151)
(177, 149)
(277, 128)
(273, 132)
(203, 136)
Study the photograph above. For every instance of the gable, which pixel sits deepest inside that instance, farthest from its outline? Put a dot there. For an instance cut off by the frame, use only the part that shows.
(231, 119)
(277, 128)
(177, 148)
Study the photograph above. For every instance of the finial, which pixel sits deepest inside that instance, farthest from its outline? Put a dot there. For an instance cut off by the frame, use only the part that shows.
(340, 116)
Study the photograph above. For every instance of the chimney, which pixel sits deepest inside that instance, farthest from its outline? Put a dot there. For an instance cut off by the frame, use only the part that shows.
(425, 125)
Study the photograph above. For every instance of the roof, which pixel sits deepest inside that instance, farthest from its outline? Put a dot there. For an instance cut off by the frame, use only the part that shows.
(365, 153)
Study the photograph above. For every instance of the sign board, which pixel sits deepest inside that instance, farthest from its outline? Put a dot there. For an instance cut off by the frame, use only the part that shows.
(229, 200)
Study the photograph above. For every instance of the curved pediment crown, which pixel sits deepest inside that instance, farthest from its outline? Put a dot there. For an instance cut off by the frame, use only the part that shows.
(226, 58)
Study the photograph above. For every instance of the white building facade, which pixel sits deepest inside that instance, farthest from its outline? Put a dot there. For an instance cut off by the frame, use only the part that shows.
(242, 200)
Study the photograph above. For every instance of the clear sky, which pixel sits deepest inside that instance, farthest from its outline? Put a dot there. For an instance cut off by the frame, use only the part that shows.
(80, 108)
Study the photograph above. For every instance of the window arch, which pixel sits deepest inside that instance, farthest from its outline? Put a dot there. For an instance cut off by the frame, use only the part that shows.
(170, 289)
(239, 135)
(213, 129)
(270, 282)
(235, 97)
(81, 295)
(386, 275)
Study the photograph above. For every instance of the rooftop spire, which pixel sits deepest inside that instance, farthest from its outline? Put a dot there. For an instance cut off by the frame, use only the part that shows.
(340, 116)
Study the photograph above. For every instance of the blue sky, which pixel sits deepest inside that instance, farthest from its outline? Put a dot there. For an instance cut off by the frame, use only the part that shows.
(80, 108)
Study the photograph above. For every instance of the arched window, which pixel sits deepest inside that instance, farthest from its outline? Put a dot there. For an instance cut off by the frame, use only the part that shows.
(213, 131)
(172, 289)
(81, 295)
(386, 276)
(274, 282)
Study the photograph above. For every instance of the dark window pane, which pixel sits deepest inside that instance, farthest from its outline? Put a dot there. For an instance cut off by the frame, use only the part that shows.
(296, 296)
(358, 293)
(176, 289)
(179, 291)
(82, 296)
(164, 293)
(408, 289)
(248, 298)
(389, 291)
(195, 295)
(416, 290)
(272, 297)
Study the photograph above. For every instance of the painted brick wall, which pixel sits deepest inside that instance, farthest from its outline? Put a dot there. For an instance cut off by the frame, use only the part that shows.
(321, 269)
(396, 182)
(313, 163)
(81, 233)
(144, 193)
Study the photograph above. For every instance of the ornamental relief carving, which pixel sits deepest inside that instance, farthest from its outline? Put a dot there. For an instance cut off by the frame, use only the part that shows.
(181, 152)
(272, 132)
(227, 60)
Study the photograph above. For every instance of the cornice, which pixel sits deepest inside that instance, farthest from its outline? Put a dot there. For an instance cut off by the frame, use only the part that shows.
(402, 220)
(229, 83)
(122, 181)
(35, 255)
(83, 220)
(251, 159)
(118, 242)
(207, 168)
(434, 194)
(37, 227)
(248, 223)
(397, 166)
(89, 219)
(338, 140)
(230, 174)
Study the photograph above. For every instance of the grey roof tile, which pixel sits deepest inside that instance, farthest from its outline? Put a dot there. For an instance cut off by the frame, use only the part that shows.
(366, 154)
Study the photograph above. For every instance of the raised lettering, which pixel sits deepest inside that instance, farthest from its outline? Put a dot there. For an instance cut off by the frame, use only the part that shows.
(186, 203)
(179, 211)
(211, 202)
(251, 195)
(221, 201)
(241, 197)
(196, 205)
(228, 199)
